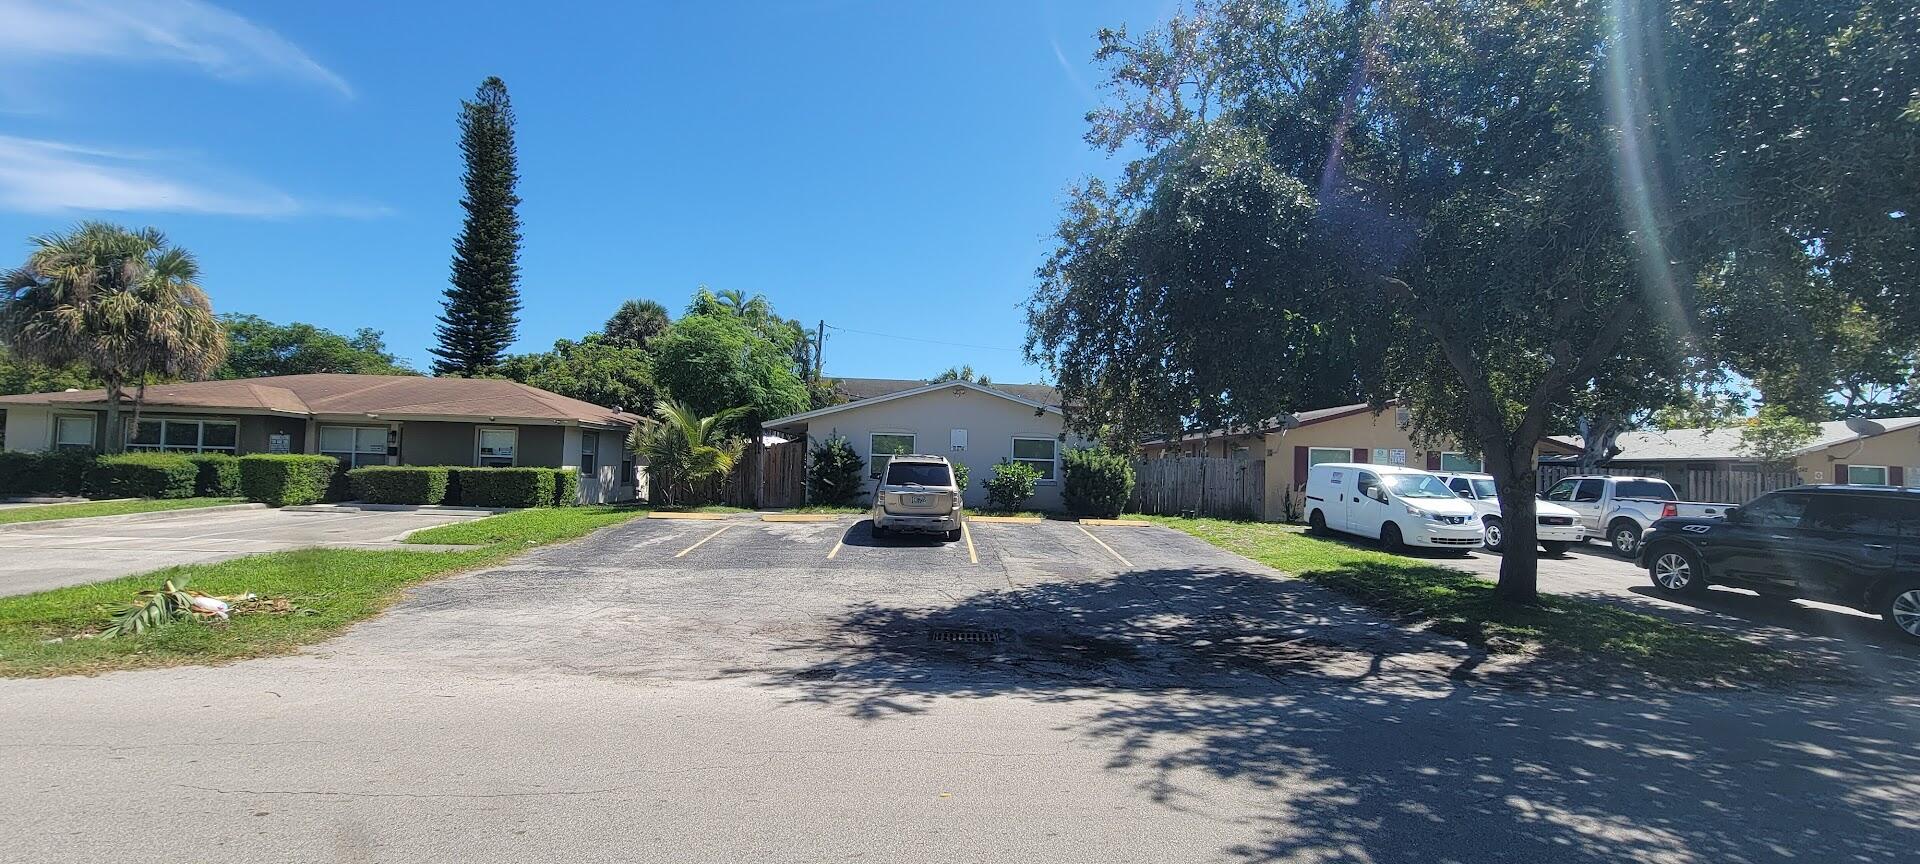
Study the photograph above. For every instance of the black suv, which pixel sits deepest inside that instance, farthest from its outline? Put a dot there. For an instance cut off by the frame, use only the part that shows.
(1855, 546)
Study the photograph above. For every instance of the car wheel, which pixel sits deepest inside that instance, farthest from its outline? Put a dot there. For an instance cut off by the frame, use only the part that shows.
(1625, 537)
(953, 535)
(1556, 548)
(1901, 610)
(1677, 571)
(1317, 522)
(1390, 538)
(1496, 535)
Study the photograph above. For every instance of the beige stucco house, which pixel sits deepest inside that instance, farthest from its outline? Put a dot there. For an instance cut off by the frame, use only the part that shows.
(972, 424)
(359, 419)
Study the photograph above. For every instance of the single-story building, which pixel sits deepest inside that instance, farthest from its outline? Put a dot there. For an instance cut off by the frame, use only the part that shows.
(359, 419)
(972, 424)
(1292, 444)
(1713, 465)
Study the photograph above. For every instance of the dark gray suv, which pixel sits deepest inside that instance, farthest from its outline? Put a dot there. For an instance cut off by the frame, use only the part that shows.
(1855, 546)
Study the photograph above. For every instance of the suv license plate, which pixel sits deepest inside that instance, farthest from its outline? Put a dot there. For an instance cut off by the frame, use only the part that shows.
(917, 499)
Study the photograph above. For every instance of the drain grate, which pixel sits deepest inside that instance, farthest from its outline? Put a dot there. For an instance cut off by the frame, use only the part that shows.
(961, 636)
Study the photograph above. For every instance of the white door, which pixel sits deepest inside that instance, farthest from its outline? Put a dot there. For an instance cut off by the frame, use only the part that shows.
(1364, 512)
(1580, 496)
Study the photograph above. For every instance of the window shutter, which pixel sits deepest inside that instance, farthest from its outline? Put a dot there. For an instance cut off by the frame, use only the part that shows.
(1433, 460)
(1896, 475)
(1360, 454)
(1299, 465)
(1840, 472)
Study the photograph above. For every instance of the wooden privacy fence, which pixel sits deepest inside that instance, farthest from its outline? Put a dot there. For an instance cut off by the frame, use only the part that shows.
(768, 476)
(1229, 488)
(1721, 484)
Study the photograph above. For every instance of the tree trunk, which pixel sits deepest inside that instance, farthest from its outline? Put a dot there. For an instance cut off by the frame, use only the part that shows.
(1514, 474)
(114, 439)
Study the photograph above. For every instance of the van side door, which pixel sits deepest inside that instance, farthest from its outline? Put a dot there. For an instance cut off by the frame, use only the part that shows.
(1366, 513)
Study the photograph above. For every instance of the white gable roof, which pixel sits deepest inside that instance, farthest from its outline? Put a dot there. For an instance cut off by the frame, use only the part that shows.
(808, 416)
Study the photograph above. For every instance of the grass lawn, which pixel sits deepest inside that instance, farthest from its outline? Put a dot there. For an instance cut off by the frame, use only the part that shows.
(108, 508)
(1461, 605)
(341, 586)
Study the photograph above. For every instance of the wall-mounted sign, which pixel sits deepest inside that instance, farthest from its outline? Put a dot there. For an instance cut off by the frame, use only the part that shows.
(279, 442)
(1399, 456)
(1380, 455)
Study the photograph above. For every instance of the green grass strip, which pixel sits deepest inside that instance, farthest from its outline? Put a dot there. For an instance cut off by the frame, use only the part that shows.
(45, 512)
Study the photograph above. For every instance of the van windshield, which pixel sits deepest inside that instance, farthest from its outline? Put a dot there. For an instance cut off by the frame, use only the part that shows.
(1417, 486)
(918, 474)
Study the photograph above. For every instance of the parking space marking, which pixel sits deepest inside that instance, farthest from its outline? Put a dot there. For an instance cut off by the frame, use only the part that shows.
(683, 553)
(838, 542)
(1116, 556)
(965, 532)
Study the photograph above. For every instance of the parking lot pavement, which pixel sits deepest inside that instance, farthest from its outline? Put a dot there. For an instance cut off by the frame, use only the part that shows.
(39, 558)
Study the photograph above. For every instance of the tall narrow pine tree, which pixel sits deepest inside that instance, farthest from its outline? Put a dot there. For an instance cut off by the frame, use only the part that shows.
(482, 308)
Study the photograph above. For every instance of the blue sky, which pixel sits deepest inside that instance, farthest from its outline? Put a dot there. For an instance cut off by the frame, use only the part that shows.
(884, 166)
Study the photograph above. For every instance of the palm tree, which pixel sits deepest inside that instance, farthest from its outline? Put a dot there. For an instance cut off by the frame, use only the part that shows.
(124, 304)
(683, 449)
(636, 323)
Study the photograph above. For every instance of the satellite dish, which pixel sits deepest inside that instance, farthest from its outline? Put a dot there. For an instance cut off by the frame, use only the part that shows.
(1289, 422)
(1864, 427)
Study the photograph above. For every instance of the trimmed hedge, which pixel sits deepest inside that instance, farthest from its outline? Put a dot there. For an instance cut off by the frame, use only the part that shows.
(53, 472)
(218, 477)
(1098, 482)
(505, 487)
(1010, 486)
(142, 475)
(279, 480)
(566, 487)
(395, 484)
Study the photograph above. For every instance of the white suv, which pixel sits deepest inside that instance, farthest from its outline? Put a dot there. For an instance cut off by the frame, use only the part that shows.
(917, 493)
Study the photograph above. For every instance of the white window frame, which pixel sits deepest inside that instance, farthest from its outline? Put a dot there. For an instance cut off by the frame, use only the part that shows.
(1880, 468)
(353, 457)
(1479, 465)
(1053, 461)
(480, 435)
(586, 453)
(1346, 455)
(199, 436)
(92, 429)
(873, 471)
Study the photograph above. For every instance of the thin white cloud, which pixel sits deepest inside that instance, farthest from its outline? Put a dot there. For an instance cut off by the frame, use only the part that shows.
(178, 31)
(39, 176)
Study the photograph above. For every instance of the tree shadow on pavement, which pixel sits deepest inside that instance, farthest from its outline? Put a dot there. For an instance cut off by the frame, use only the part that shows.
(1361, 743)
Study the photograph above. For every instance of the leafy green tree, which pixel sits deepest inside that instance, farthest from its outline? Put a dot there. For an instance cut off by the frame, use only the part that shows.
(1773, 435)
(836, 475)
(593, 370)
(961, 373)
(125, 305)
(22, 376)
(482, 307)
(636, 323)
(684, 450)
(713, 362)
(257, 348)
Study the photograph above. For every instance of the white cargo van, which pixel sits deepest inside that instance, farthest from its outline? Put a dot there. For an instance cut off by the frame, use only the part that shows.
(1400, 506)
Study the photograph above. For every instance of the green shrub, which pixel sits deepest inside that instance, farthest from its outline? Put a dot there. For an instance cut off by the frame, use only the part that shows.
(566, 487)
(1097, 483)
(142, 475)
(835, 474)
(506, 487)
(960, 471)
(1010, 486)
(218, 477)
(280, 480)
(394, 484)
(53, 472)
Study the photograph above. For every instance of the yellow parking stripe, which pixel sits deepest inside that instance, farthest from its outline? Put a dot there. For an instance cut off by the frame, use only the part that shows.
(1116, 556)
(703, 541)
(972, 556)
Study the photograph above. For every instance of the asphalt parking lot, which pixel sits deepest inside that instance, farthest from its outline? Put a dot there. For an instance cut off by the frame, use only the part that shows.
(39, 557)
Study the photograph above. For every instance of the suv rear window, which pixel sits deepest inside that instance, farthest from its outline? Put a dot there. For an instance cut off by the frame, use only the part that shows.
(921, 473)
(1655, 489)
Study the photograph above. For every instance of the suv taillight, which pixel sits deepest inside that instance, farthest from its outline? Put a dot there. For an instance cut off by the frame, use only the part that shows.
(1669, 510)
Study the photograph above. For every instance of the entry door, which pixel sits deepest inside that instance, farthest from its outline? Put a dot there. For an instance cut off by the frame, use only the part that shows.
(1364, 514)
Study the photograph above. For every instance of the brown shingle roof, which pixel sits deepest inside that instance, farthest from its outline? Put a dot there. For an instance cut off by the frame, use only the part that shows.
(392, 395)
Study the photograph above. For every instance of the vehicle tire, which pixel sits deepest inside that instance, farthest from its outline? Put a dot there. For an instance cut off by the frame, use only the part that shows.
(1390, 538)
(1675, 570)
(953, 535)
(1496, 535)
(1901, 609)
(1317, 523)
(1556, 548)
(1624, 536)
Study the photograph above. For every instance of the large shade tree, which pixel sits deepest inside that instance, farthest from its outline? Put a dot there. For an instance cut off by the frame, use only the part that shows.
(123, 304)
(257, 348)
(1500, 210)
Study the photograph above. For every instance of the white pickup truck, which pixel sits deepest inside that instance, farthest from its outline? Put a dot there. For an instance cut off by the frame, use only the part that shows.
(1621, 508)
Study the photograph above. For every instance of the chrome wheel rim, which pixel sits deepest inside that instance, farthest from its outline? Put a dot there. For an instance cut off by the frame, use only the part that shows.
(1494, 535)
(1906, 611)
(1623, 541)
(1674, 572)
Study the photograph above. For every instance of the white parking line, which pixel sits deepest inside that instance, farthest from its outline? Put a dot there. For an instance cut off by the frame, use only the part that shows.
(1116, 556)
(682, 553)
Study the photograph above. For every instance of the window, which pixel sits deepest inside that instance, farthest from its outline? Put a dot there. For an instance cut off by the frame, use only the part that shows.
(1461, 487)
(184, 436)
(1460, 462)
(1036, 453)
(1317, 455)
(918, 473)
(498, 448)
(883, 445)
(1590, 491)
(1402, 416)
(1658, 490)
(1851, 514)
(1866, 475)
(1774, 511)
(355, 446)
(73, 433)
(1563, 490)
(1367, 484)
(589, 452)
